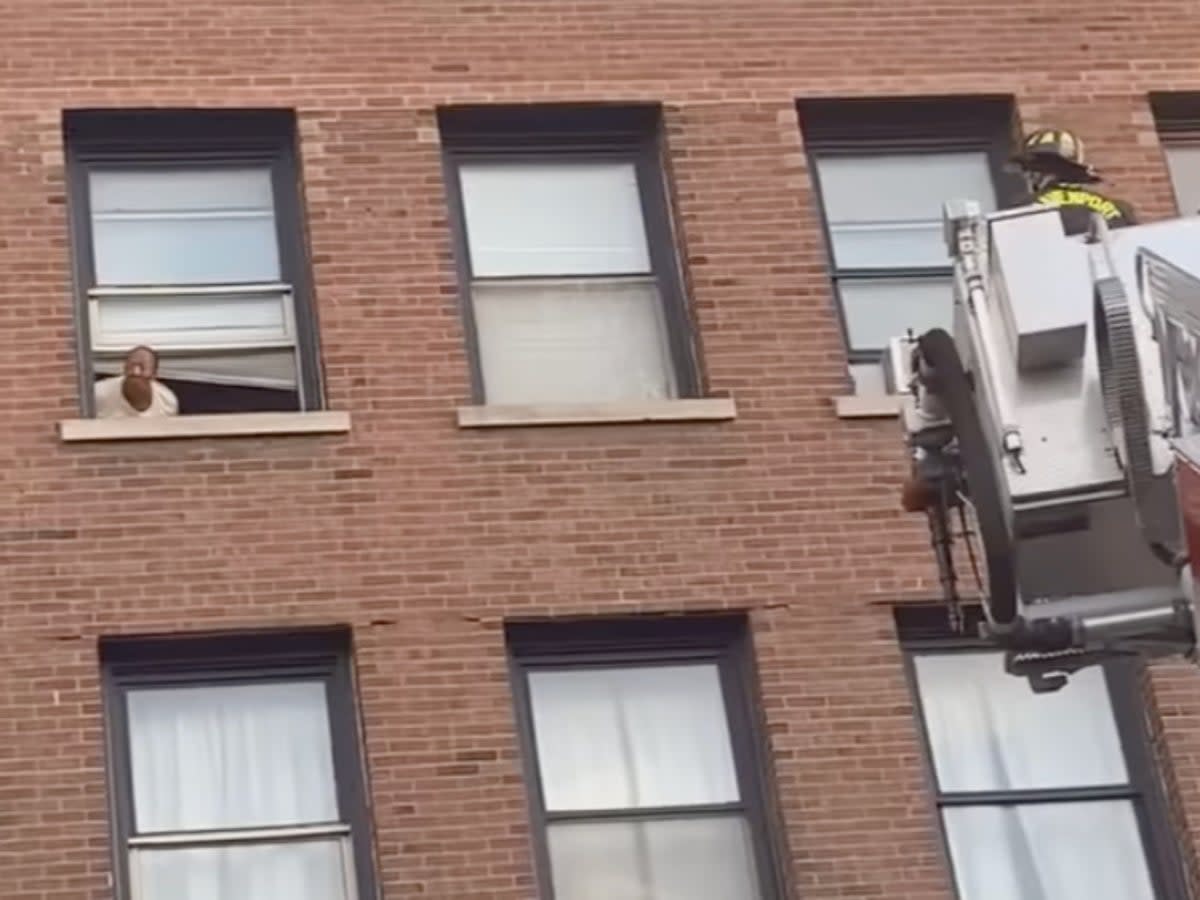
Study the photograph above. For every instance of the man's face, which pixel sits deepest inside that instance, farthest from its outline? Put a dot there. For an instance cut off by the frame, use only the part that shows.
(140, 361)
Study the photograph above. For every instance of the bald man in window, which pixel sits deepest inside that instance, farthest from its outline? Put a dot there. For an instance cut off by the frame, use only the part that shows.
(137, 392)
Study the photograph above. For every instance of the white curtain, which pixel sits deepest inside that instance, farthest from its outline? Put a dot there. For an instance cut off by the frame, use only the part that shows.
(669, 859)
(632, 738)
(1069, 851)
(988, 731)
(637, 738)
(228, 757)
(310, 870)
(231, 756)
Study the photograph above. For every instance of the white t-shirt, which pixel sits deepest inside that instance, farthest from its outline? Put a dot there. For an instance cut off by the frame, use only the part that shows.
(111, 403)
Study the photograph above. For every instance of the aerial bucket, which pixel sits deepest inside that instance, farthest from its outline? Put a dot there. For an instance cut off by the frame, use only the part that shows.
(1064, 411)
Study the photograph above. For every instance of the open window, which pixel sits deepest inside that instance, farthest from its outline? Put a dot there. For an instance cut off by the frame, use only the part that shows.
(188, 238)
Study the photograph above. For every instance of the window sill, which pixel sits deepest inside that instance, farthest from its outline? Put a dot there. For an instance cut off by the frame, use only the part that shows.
(704, 409)
(226, 425)
(868, 406)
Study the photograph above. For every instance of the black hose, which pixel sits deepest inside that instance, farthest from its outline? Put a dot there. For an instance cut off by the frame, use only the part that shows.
(984, 481)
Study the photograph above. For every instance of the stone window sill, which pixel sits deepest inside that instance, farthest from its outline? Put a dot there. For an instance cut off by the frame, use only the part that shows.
(705, 409)
(868, 406)
(208, 426)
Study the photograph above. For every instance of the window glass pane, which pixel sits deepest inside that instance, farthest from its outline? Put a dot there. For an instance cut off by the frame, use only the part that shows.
(901, 187)
(174, 250)
(312, 870)
(1183, 162)
(885, 210)
(562, 341)
(183, 226)
(989, 732)
(181, 190)
(895, 245)
(1048, 851)
(666, 859)
(231, 756)
(630, 738)
(869, 379)
(879, 309)
(560, 218)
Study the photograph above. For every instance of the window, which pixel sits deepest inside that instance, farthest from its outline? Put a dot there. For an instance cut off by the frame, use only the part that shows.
(1178, 119)
(235, 769)
(1183, 163)
(883, 170)
(644, 769)
(187, 238)
(572, 290)
(1042, 795)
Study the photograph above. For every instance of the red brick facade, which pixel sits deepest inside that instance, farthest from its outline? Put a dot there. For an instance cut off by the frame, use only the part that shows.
(423, 536)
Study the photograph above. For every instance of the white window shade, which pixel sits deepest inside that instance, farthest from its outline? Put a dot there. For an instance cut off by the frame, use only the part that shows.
(181, 321)
(559, 218)
(885, 210)
(231, 756)
(1183, 163)
(632, 738)
(988, 731)
(592, 340)
(183, 226)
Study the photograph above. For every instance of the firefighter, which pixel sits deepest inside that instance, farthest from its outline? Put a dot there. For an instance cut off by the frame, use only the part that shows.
(1057, 174)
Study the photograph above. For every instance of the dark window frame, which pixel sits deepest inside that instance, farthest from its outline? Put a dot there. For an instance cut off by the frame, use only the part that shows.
(138, 140)
(724, 641)
(573, 132)
(1175, 112)
(248, 658)
(914, 126)
(923, 630)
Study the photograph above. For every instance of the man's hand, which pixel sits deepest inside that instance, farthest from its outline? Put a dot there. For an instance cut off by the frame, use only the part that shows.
(138, 391)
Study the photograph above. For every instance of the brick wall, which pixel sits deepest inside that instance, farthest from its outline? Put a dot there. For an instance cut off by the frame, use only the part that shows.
(425, 537)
